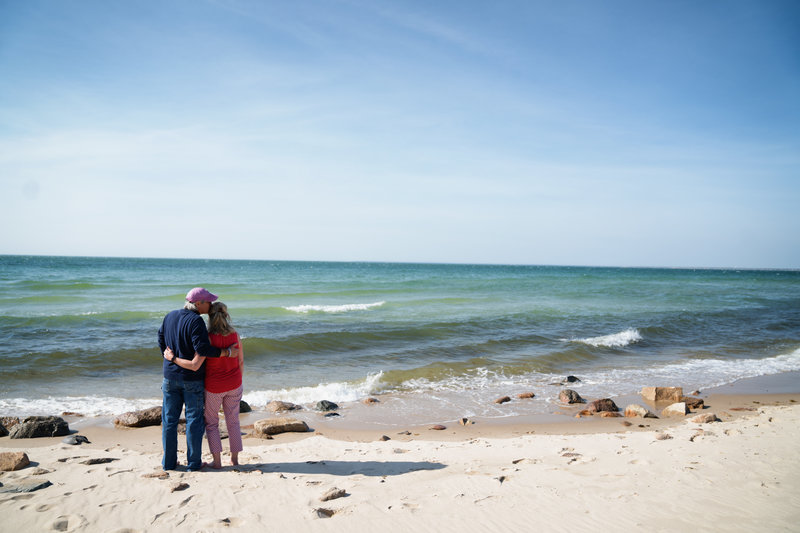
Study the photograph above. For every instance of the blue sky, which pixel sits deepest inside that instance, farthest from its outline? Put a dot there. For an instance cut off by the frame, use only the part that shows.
(629, 133)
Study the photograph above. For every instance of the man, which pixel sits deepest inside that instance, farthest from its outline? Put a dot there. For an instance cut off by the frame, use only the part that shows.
(185, 333)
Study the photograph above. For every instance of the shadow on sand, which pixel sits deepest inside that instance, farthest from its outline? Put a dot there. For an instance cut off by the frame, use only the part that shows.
(336, 468)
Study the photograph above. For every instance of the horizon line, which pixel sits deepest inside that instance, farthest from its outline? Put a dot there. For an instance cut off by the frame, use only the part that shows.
(443, 263)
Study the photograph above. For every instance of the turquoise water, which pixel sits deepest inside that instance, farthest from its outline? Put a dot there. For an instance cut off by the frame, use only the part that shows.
(79, 334)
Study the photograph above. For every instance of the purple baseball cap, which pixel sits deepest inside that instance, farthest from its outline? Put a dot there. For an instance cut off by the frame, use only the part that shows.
(199, 294)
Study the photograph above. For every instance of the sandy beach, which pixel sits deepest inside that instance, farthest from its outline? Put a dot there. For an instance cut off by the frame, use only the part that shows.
(738, 474)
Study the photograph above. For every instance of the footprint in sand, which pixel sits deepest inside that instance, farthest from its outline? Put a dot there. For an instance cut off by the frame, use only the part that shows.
(43, 507)
(70, 522)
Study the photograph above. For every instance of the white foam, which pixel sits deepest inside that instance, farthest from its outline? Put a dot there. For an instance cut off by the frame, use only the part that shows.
(333, 308)
(85, 405)
(335, 392)
(615, 340)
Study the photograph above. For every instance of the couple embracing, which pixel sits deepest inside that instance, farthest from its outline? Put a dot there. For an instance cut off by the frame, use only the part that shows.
(202, 371)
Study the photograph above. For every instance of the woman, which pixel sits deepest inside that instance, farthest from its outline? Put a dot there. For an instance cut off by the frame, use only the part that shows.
(223, 383)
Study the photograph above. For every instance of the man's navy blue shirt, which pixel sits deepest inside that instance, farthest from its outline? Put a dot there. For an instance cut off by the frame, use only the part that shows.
(185, 332)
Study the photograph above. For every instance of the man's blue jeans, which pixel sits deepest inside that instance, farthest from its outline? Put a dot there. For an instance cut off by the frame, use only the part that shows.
(177, 394)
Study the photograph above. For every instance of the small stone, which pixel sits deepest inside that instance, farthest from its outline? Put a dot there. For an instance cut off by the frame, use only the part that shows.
(583, 413)
(626, 423)
(634, 410)
(466, 422)
(75, 440)
(11, 461)
(326, 405)
(503, 399)
(438, 427)
(330, 415)
(277, 406)
(384, 438)
(244, 407)
(324, 513)
(525, 395)
(180, 485)
(333, 494)
(70, 413)
(9, 421)
(156, 475)
(663, 436)
(570, 396)
(606, 404)
(693, 403)
(99, 460)
(370, 401)
(572, 379)
(676, 409)
(705, 418)
(610, 414)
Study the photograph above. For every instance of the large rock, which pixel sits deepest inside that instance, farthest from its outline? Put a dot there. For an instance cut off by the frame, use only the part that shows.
(634, 410)
(244, 407)
(3, 431)
(676, 409)
(40, 426)
(139, 419)
(277, 406)
(273, 426)
(662, 394)
(606, 404)
(570, 396)
(10, 461)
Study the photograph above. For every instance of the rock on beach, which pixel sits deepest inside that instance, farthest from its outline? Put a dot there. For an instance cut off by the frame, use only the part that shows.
(273, 426)
(40, 426)
(277, 406)
(606, 404)
(662, 394)
(705, 418)
(139, 419)
(326, 405)
(634, 410)
(570, 396)
(10, 461)
(676, 409)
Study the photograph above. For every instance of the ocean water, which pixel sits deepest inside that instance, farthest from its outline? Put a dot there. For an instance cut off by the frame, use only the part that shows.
(79, 334)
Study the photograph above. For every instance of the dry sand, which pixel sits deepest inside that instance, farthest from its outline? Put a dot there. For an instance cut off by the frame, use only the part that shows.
(740, 474)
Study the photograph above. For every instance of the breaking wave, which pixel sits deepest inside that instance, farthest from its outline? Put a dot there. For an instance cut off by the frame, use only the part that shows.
(616, 340)
(332, 308)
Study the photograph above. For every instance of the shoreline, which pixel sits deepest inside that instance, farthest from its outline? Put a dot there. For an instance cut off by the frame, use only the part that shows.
(671, 474)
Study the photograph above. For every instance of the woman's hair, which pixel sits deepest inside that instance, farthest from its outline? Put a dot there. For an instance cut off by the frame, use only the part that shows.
(219, 321)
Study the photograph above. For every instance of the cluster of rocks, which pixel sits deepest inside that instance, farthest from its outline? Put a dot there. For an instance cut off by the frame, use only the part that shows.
(672, 400)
